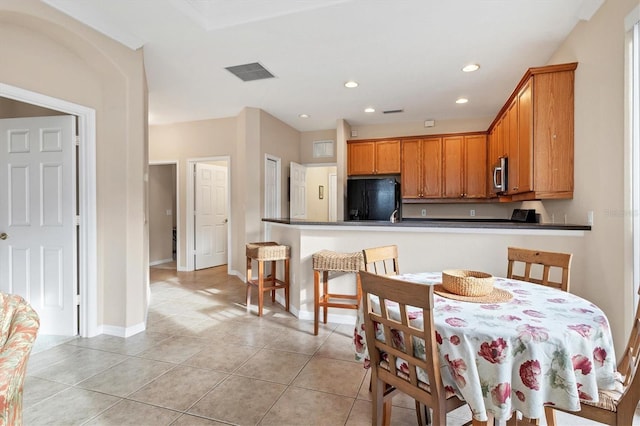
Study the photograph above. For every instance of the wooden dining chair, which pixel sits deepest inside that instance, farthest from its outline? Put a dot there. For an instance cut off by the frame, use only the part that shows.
(387, 379)
(545, 260)
(382, 260)
(614, 407)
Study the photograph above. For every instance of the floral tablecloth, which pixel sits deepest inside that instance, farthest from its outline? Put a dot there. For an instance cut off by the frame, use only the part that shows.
(543, 347)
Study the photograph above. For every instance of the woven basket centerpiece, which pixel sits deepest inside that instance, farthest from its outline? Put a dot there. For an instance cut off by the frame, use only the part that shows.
(467, 283)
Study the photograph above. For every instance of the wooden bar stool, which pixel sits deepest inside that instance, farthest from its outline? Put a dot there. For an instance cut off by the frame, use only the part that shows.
(326, 261)
(267, 252)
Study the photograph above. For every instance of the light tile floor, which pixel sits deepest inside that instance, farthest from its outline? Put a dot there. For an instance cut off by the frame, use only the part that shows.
(204, 360)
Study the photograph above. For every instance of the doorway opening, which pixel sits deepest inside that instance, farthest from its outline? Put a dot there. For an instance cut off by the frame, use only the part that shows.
(164, 214)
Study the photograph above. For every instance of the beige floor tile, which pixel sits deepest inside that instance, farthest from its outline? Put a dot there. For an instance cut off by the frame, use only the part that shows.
(276, 366)
(126, 377)
(129, 346)
(179, 325)
(37, 390)
(338, 346)
(44, 360)
(179, 388)
(222, 356)
(239, 400)
(245, 334)
(135, 414)
(331, 375)
(360, 414)
(81, 365)
(69, 407)
(175, 349)
(189, 420)
(295, 341)
(306, 407)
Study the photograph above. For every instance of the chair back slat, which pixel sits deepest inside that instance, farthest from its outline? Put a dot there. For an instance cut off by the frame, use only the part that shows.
(382, 260)
(545, 260)
(400, 337)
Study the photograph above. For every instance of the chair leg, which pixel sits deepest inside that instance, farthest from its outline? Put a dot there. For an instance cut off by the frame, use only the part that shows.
(248, 285)
(325, 288)
(550, 416)
(316, 301)
(286, 283)
(273, 280)
(260, 286)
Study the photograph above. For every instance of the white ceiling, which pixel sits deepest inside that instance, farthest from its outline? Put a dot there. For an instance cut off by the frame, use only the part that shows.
(404, 53)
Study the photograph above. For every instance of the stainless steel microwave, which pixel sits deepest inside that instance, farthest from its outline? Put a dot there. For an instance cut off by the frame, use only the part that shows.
(500, 175)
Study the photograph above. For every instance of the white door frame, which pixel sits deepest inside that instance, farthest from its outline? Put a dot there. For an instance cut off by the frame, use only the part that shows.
(266, 229)
(87, 247)
(177, 206)
(191, 166)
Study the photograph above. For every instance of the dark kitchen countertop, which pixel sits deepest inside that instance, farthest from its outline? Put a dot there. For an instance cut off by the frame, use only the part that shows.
(439, 223)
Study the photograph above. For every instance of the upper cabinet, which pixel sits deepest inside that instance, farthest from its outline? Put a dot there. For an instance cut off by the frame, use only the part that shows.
(534, 130)
(465, 166)
(373, 157)
(421, 174)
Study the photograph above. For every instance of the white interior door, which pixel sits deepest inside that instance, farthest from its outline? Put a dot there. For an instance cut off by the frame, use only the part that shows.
(298, 189)
(38, 254)
(210, 215)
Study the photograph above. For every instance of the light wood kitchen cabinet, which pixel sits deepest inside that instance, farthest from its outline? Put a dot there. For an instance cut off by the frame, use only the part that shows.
(537, 127)
(495, 151)
(373, 157)
(421, 172)
(464, 166)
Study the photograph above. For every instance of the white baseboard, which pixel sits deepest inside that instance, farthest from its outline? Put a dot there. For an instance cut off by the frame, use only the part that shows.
(113, 330)
(160, 262)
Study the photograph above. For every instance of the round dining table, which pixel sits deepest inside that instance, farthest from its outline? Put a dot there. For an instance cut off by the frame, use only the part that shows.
(542, 347)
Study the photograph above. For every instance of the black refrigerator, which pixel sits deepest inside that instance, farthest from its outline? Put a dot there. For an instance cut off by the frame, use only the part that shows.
(373, 199)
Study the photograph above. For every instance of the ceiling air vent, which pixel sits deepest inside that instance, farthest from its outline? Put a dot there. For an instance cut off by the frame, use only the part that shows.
(393, 111)
(250, 72)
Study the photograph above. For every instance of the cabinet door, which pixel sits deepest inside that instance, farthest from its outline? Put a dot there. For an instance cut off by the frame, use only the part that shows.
(410, 181)
(475, 149)
(387, 159)
(361, 158)
(525, 138)
(553, 132)
(511, 132)
(431, 157)
(453, 165)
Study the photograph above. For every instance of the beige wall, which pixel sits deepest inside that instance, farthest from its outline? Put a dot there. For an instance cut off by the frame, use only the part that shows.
(89, 69)
(600, 166)
(161, 212)
(306, 146)
(10, 108)
(413, 129)
(189, 141)
(282, 141)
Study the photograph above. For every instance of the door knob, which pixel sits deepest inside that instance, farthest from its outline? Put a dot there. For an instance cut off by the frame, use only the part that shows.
(3, 236)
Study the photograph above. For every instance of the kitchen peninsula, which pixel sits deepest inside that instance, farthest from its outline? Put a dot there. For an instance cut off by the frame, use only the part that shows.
(423, 245)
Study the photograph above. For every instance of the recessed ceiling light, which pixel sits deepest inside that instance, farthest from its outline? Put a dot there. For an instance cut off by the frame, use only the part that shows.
(303, 115)
(471, 68)
(369, 109)
(351, 84)
(462, 100)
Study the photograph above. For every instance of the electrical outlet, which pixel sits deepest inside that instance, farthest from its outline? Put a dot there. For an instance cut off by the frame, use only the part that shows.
(423, 212)
(472, 212)
(590, 217)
